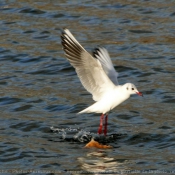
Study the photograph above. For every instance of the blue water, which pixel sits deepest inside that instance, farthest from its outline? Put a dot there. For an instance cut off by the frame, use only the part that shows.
(40, 93)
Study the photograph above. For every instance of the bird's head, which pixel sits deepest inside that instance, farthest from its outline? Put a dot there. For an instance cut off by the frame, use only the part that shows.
(131, 89)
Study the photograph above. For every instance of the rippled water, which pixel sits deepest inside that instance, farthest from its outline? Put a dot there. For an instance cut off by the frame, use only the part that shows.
(39, 89)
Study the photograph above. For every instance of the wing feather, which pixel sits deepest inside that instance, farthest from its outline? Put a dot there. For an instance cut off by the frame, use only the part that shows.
(103, 56)
(89, 69)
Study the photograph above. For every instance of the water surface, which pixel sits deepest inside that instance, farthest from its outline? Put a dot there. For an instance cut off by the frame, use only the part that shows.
(39, 89)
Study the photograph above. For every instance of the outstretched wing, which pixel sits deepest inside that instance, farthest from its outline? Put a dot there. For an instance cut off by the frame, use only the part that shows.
(103, 56)
(89, 69)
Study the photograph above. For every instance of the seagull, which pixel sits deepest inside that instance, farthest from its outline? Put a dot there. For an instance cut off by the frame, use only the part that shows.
(98, 76)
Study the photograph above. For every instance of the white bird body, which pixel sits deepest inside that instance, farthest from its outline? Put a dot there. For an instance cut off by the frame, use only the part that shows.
(109, 101)
(98, 76)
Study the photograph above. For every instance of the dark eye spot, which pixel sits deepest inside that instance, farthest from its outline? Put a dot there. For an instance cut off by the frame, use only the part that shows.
(132, 88)
(127, 88)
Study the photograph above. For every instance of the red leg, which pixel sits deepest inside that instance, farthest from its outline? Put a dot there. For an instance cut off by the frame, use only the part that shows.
(101, 124)
(106, 124)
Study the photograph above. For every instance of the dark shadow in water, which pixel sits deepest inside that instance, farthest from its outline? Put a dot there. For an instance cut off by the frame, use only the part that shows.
(31, 11)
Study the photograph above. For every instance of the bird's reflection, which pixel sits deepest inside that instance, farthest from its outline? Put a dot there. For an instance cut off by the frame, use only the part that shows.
(95, 161)
(98, 162)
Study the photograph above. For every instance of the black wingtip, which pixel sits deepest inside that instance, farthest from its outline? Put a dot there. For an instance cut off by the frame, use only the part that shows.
(62, 30)
(95, 52)
(63, 33)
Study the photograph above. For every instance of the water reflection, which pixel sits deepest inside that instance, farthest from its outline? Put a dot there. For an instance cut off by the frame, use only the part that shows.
(98, 162)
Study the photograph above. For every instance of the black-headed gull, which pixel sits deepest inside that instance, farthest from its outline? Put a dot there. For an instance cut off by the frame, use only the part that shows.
(98, 76)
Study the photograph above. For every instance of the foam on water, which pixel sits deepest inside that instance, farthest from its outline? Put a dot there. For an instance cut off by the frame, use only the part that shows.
(74, 134)
(83, 136)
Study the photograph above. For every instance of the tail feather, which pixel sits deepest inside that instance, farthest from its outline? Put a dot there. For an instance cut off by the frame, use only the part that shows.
(96, 107)
(87, 110)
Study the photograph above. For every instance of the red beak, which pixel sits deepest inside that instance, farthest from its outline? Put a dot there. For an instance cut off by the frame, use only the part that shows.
(139, 93)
